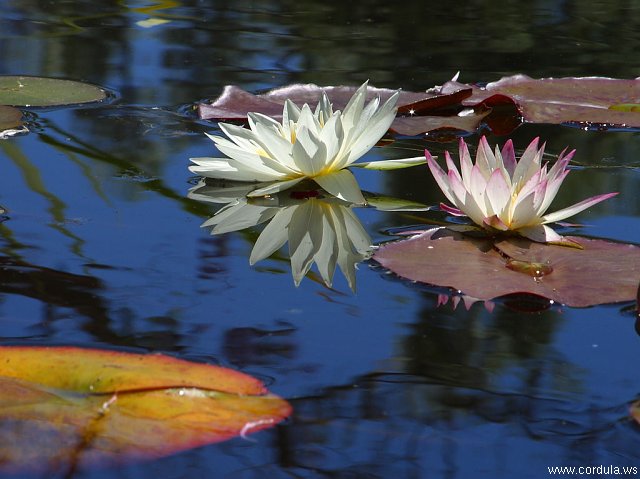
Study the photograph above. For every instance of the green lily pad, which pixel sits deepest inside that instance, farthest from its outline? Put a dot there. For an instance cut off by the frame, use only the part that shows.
(43, 92)
(9, 118)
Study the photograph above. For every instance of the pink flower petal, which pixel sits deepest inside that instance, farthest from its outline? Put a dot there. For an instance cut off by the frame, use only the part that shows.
(496, 223)
(545, 234)
(553, 185)
(509, 157)
(577, 208)
(451, 166)
(440, 176)
(528, 163)
(465, 162)
(451, 210)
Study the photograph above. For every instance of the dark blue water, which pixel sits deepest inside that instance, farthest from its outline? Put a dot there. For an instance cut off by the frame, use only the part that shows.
(383, 382)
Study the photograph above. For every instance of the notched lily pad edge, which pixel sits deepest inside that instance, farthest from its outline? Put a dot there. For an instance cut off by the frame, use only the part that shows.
(521, 301)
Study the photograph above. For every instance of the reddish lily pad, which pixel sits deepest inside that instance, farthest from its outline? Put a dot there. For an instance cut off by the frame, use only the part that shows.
(596, 102)
(602, 272)
(419, 112)
(593, 102)
(66, 407)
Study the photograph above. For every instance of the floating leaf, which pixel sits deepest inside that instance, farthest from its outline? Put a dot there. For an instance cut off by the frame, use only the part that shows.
(592, 101)
(66, 407)
(41, 91)
(422, 111)
(601, 272)
(9, 117)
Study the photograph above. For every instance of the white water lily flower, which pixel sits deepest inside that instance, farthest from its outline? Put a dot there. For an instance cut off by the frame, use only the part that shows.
(320, 230)
(499, 193)
(317, 145)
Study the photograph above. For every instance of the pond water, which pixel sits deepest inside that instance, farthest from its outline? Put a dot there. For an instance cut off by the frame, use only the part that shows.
(103, 248)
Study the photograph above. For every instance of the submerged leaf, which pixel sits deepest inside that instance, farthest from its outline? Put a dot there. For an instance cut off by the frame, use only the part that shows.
(42, 91)
(601, 272)
(9, 118)
(66, 407)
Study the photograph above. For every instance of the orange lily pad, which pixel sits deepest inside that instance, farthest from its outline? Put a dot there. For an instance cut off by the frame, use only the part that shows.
(68, 408)
(599, 273)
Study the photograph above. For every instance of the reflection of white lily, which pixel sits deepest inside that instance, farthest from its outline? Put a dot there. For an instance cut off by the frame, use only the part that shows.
(311, 145)
(320, 230)
(499, 193)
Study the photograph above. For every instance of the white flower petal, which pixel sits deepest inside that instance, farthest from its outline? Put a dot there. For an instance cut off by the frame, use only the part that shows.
(309, 153)
(332, 137)
(305, 239)
(229, 169)
(277, 147)
(308, 121)
(327, 254)
(541, 234)
(256, 119)
(466, 202)
(252, 161)
(372, 130)
(528, 164)
(524, 213)
(275, 187)
(242, 216)
(485, 159)
(324, 109)
(498, 193)
(341, 184)
(353, 244)
(477, 190)
(353, 110)
(273, 236)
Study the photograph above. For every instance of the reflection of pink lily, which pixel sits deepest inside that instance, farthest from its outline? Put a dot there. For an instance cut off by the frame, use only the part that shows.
(468, 301)
(499, 193)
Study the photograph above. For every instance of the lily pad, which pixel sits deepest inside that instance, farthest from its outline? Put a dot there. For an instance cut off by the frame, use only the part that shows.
(592, 102)
(28, 91)
(601, 272)
(67, 407)
(418, 112)
(10, 119)
(595, 102)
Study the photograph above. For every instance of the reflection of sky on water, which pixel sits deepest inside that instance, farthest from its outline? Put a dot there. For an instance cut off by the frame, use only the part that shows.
(108, 201)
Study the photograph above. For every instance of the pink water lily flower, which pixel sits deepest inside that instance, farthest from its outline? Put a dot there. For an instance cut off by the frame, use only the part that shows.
(499, 193)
